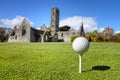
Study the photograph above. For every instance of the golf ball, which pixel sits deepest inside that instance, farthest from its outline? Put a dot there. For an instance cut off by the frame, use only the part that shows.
(80, 45)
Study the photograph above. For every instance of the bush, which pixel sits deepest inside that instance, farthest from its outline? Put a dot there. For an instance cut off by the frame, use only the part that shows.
(92, 37)
(73, 37)
(115, 38)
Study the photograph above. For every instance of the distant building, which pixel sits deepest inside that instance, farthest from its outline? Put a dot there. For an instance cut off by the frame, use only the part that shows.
(25, 33)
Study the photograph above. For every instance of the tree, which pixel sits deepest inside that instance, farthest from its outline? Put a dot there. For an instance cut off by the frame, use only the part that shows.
(2, 34)
(115, 38)
(108, 33)
(65, 28)
(94, 36)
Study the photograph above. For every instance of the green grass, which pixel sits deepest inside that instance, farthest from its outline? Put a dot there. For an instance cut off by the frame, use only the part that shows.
(57, 61)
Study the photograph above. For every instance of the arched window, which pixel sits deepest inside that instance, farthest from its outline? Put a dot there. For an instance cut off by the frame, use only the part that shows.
(23, 30)
(46, 38)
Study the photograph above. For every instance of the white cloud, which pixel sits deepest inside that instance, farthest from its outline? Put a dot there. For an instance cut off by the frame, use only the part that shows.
(117, 32)
(38, 28)
(89, 23)
(14, 22)
(101, 29)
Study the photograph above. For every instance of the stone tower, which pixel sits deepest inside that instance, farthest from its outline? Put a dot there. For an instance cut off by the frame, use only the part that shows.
(54, 26)
(82, 33)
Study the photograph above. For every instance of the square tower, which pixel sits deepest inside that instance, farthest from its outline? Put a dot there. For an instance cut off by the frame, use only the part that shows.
(54, 26)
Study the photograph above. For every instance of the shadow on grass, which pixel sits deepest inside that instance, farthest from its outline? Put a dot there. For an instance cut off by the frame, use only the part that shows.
(101, 67)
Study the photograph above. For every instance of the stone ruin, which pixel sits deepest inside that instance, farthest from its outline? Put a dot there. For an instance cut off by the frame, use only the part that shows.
(26, 33)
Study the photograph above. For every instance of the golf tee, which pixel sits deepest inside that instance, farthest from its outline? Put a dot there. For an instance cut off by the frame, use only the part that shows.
(80, 63)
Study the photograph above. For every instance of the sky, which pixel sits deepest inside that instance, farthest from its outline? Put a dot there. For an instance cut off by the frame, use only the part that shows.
(95, 14)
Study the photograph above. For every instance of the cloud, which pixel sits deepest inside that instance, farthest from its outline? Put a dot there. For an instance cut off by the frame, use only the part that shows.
(14, 22)
(117, 32)
(89, 23)
(101, 29)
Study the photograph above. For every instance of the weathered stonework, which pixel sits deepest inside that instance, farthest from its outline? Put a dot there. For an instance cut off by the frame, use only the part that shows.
(54, 26)
(25, 33)
(22, 34)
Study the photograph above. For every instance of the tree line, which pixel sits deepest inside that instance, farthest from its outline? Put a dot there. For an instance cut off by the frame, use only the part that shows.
(106, 36)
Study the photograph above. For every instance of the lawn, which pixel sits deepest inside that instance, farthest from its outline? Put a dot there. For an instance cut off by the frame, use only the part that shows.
(57, 61)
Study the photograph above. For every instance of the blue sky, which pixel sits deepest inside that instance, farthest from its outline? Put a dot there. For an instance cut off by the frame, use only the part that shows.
(96, 14)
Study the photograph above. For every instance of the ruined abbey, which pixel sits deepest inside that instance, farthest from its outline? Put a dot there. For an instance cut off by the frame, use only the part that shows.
(25, 33)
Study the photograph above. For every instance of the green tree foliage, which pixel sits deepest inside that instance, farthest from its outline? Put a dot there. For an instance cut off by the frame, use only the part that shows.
(103, 36)
(65, 28)
(107, 36)
(95, 36)
(73, 38)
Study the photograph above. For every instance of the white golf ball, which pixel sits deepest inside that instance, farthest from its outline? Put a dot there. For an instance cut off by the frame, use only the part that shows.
(80, 45)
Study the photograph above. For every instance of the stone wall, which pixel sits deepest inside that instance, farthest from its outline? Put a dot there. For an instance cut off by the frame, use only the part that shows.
(21, 34)
(66, 35)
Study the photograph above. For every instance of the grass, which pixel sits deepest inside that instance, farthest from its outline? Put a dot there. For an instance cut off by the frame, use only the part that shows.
(57, 61)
